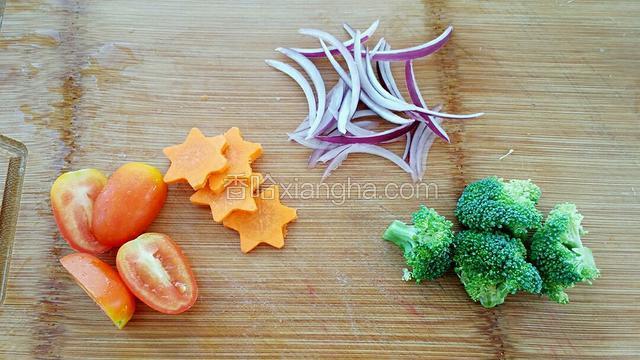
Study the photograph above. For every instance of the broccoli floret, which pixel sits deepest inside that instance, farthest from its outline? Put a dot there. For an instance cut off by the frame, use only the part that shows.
(426, 244)
(558, 253)
(492, 265)
(494, 204)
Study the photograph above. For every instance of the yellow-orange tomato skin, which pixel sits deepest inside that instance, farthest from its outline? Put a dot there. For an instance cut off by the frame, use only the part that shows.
(128, 204)
(103, 284)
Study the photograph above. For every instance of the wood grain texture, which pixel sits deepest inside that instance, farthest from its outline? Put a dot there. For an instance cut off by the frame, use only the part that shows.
(98, 83)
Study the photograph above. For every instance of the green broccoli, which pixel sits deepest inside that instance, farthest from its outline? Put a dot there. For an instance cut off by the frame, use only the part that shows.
(426, 244)
(492, 265)
(494, 204)
(558, 253)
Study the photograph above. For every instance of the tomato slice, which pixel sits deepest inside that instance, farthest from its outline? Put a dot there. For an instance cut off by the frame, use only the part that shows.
(72, 198)
(103, 284)
(158, 273)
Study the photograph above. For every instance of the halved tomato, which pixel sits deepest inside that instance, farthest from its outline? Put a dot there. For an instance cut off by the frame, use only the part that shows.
(158, 273)
(103, 284)
(72, 198)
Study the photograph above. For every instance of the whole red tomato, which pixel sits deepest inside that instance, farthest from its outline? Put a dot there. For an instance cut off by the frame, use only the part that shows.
(128, 204)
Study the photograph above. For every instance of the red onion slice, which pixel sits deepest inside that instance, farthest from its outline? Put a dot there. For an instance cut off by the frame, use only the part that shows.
(374, 80)
(415, 140)
(368, 88)
(304, 125)
(387, 76)
(363, 113)
(343, 114)
(405, 155)
(335, 101)
(379, 45)
(334, 164)
(317, 81)
(371, 139)
(341, 153)
(416, 51)
(302, 82)
(394, 104)
(354, 81)
(312, 143)
(381, 111)
(423, 151)
(416, 97)
(319, 52)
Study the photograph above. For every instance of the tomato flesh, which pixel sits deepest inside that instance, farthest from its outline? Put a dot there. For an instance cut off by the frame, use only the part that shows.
(103, 284)
(72, 201)
(128, 204)
(158, 273)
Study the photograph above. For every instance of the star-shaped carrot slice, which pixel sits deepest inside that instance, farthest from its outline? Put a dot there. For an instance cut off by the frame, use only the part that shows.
(195, 159)
(240, 155)
(266, 225)
(238, 195)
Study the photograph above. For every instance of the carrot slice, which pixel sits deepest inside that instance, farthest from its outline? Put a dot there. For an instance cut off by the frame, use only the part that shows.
(196, 159)
(238, 195)
(240, 155)
(266, 225)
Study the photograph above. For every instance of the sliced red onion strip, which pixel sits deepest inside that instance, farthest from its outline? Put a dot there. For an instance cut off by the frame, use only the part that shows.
(370, 139)
(405, 155)
(387, 76)
(413, 151)
(317, 81)
(365, 124)
(412, 85)
(357, 130)
(374, 80)
(363, 113)
(367, 149)
(354, 82)
(304, 125)
(349, 29)
(416, 97)
(380, 43)
(319, 52)
(299, 78)
(394, 104)
(335, 101)
(381, 111)
(361, 128)
(313, 158)
(335, 162)
(423, 151)
(332, 153)
(312, 143)
(415, 52)
(343, 114)
(366, 82)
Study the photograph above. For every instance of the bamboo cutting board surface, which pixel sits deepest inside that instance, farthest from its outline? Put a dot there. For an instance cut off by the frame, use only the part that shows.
(99, 83)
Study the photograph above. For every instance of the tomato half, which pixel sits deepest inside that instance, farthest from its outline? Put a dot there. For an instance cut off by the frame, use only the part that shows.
(128, 204)
(158, 273)
(72, 198)
(103, 284)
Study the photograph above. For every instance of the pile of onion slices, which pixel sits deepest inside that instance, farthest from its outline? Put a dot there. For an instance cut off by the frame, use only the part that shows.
(334, 126)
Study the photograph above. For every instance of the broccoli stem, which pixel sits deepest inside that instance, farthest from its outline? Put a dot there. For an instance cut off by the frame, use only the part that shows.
(400, 234)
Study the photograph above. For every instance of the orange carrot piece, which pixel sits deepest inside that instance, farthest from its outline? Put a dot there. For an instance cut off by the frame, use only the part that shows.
(238, 195)
(266, 225)
(196, 159)
(240, 155)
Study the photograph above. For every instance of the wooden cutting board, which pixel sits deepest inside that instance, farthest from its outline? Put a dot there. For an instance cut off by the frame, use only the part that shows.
(99, 83)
